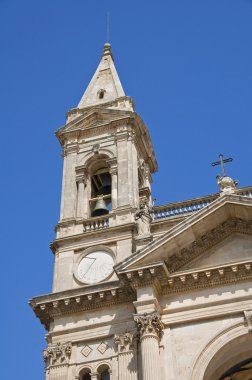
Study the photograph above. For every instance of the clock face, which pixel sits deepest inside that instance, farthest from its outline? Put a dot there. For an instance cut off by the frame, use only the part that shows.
(95, 267)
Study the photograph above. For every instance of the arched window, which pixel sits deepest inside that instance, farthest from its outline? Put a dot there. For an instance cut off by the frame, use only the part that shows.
(104, 372)
(101, 94)
(85, 374)
(86, 377)
(105, 375)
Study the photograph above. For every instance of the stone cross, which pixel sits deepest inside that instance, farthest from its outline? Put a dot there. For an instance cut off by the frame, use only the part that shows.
(222, 162)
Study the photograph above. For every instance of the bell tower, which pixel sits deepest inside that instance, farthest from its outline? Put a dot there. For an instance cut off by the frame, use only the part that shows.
(108, 159)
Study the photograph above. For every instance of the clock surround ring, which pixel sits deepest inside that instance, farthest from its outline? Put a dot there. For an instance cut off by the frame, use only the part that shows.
(87, 252)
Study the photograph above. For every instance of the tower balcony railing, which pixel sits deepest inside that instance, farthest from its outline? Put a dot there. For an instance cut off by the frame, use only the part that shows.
(192, 205)
(98, 223)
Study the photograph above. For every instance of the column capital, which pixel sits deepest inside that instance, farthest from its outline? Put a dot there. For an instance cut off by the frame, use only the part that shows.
(112, 162)
(124, 342)
(81, 174)
(58, 353)
(94, 375)
(149, 324)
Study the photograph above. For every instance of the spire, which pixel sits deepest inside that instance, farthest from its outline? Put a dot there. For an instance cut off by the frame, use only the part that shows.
(105, 85)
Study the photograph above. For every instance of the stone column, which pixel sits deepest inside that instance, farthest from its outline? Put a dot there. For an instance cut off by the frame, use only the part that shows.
(113, 173)
(127, 357)
(80, 201)
(150, 330)
(94, 375)
(57, 358)
(82, 178)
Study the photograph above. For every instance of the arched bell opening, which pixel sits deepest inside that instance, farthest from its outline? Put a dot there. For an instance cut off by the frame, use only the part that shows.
(85, 374)
(101, 188)
(104, 372)
(100, 201)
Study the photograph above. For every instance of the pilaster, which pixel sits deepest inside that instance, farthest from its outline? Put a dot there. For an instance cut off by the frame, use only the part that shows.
(127, 168)
(127, 356)
(69, 188)
(57, 359)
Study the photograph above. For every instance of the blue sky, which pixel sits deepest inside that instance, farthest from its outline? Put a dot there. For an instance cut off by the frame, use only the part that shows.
(188, 66)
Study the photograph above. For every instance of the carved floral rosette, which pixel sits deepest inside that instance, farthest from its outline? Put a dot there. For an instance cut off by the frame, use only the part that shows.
(125, 342)
(149, 324)
(57, 354)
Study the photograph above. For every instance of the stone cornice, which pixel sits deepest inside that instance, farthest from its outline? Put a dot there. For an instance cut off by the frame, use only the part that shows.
(208, 277)
(112, 233)
(80, 131)
(55, 305)
(164, 282)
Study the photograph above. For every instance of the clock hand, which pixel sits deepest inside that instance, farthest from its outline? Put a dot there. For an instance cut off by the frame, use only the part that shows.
(90, 258)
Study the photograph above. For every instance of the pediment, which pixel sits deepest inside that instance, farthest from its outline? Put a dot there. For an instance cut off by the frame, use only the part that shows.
(94, 117)
(235, 248)
(226, 223)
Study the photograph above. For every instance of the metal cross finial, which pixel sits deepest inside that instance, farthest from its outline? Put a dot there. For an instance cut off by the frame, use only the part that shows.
(222, 162)
(108, 22)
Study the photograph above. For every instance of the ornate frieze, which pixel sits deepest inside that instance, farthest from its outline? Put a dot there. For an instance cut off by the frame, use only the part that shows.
(57, 354)
(207, 241)
(149, 324)
(124, 342)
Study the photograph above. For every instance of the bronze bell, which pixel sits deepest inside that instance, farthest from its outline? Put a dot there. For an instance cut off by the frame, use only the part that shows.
(100, 208)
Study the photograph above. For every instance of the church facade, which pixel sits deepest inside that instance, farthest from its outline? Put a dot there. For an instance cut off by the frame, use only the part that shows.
(142, 292)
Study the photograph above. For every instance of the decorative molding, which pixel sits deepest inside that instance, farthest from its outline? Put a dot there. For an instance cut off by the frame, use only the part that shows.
(102, 348)
(248, 319)
(149, 324)
(57, 354)
(124, 342)
(70, 148)
(86, 351)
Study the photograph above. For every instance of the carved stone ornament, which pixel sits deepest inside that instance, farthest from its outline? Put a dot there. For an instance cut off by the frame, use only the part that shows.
(149, 324)
(124, 342)
(226, 184)
(57, 354)
(248, 319)
(144, 217)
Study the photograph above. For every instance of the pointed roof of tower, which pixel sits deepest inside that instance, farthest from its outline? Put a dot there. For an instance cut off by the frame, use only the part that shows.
(105, 85)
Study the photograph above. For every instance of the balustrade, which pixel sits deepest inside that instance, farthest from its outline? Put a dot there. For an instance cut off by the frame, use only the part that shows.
(193, 205)
(98, 223)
